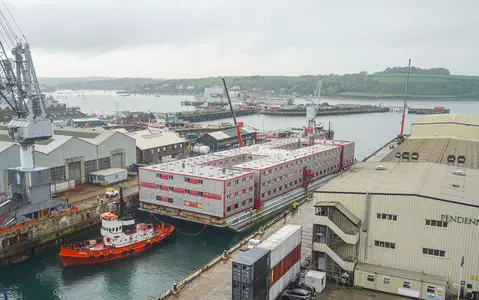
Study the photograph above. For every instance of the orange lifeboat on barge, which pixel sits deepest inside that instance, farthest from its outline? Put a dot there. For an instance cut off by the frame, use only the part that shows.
(121, 237)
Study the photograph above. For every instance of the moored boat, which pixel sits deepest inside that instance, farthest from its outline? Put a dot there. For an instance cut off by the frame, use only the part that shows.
(121, 237)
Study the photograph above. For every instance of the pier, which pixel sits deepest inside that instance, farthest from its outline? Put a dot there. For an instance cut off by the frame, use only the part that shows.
(327, 112)
(209, 115)
(213, 280)
(19, 241)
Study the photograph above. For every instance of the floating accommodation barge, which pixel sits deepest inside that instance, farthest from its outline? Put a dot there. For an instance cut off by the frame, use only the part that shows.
(237, 188)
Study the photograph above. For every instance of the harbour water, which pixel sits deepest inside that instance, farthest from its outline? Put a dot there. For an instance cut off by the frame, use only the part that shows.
(150, 273)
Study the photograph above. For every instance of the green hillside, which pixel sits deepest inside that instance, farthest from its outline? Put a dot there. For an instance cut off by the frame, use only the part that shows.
(390, 83)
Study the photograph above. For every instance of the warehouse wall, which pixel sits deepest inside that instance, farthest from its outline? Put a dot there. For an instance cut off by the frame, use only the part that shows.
(122, 142)
(70, 149)
(9, 158)
(411, 234)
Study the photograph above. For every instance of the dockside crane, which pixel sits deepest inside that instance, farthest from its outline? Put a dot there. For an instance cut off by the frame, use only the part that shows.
(238, 130)
(29, 185)
(19, 87)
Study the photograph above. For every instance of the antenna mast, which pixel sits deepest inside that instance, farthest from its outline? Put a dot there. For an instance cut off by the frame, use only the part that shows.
(405, 99)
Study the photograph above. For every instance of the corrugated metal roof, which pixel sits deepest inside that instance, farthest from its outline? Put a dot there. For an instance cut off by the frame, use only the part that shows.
(448, 118)
(437, 150)
(108, 172)
(219, 135)
(149, 140)
(100, 138)
(229, 133)
(423, 179)
(5, 145)
(49, 145)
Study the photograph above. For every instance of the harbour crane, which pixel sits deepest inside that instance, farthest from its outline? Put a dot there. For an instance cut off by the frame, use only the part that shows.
(29, 185)
(19, 87)
(238, 130)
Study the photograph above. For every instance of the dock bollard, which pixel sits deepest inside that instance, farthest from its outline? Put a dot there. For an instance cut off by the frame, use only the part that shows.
(225, 254)
(174, 288)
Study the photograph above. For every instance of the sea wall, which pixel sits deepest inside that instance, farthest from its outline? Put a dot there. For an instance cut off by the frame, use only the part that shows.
(23, 240)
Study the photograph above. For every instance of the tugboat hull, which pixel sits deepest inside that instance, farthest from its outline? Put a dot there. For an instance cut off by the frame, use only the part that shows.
(70, 255)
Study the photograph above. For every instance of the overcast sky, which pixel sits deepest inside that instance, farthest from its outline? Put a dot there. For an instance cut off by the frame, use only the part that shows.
(197, 38)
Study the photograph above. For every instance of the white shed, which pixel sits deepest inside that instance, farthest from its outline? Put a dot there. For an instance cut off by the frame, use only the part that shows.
(108, 176)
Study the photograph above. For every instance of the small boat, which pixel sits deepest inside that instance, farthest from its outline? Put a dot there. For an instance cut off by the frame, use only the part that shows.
(121, 237)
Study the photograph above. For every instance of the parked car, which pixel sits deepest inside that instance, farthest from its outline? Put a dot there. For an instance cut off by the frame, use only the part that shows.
(296, 294)
(111, 192)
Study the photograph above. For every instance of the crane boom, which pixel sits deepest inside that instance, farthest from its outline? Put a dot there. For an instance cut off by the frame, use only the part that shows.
(238, 131)
(19, 87)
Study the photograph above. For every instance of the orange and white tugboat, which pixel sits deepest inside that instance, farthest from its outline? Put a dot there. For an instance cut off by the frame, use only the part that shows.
(121, 237)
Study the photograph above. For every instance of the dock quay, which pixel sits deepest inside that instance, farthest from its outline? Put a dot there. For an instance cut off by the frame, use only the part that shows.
(198, 130)
(213, 280)
(21, 240)
(209, 115)
(327, 112)
(200, 103)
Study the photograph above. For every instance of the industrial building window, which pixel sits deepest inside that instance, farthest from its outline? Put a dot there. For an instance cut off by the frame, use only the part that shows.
(228, 209)
(103, 163)
(170, 189)
(200, 181)
(388, 217)
(90, 166)
(436, 223)
(434, 252)
(170, 200)
(385, 244)
(236, 205)
(371, 278)
(406, 285)
(57, 173)
(170, 177)
(431, 289)
(187, 191)
(387, 281)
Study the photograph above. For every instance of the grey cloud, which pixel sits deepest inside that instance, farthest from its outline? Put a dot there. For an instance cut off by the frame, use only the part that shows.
(257, 28)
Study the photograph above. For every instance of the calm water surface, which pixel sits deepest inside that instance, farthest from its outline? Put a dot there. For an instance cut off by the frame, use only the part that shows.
(150, 273)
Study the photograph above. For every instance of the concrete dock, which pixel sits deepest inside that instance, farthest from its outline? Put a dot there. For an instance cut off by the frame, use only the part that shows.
(214, 283)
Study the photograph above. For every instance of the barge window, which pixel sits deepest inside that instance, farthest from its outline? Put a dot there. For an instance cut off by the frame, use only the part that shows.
(170, 177)
(406, 285)
(386, 281)
(431, 289)
(371, 278)
(200, 181)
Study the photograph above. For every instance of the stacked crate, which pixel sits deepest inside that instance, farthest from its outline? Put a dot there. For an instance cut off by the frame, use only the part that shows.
(251, 275)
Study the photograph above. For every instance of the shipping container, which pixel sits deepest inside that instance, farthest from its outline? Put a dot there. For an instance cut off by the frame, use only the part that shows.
(257, 290)
(316, 280)
(285, 256)
(279, 286)
(251, 265)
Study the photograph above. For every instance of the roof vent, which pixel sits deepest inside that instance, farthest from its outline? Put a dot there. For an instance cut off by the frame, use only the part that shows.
(460, 173)
(380, 168)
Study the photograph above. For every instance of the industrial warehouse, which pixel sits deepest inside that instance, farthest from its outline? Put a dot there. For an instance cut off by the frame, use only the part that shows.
(72, 154)
(407, 224)
(239, 180)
